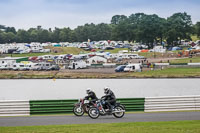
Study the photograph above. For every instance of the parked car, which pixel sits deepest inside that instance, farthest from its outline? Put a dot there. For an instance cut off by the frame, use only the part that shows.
(133, 68)
(54, 67)
(120, 68)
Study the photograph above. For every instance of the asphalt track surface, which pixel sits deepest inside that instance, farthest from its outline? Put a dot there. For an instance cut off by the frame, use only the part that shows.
(71, 119)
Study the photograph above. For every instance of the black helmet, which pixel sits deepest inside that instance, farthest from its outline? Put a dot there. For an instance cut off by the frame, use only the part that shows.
(88, 90)
(106, 89)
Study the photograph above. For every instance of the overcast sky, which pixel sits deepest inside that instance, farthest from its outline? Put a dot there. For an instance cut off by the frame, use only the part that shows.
(23, 14)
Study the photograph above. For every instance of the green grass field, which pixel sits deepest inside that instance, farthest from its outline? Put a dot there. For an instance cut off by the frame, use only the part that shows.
(169, 73)
(186, 60)
(165, 73)
(54, 51)
(63, 50)
(116, 50)
(134, 127)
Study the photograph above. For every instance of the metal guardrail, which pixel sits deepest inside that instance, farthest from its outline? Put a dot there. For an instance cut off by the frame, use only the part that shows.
(51, 106)
(14, 108)
(175, 103)
(66, 106)
(132, 104)
(148, 104)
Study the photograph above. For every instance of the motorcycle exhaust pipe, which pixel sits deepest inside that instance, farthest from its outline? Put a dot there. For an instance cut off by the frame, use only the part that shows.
(119, 111)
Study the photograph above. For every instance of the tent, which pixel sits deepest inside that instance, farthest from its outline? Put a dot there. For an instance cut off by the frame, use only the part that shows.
(97, 60)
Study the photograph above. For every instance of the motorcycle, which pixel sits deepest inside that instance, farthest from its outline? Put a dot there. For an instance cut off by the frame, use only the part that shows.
(81, 107)
(100, 108)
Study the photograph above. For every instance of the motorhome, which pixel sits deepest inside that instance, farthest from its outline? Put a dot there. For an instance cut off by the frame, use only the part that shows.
(128, 56)
(133, 68)
(47, 57)
(4, 66)
(77, 65)
(20, 66)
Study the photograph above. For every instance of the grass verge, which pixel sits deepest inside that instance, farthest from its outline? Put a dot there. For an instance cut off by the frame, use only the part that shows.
(54, 51)
(169, 73)
(134, 127)
(165, 73)
(187, 60)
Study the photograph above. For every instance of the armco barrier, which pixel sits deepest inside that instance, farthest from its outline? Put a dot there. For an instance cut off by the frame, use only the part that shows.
(194, 64)
(14, 108)
(66, 106)
(132, 104)
(51, 106)
(148, 104)
(175, 103)
(161, 64)
(178, 64)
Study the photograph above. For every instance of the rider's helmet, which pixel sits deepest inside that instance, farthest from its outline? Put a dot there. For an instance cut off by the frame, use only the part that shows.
(88, 90)
(106, 89)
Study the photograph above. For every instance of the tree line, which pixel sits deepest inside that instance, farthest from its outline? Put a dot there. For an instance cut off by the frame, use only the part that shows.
(138, 27)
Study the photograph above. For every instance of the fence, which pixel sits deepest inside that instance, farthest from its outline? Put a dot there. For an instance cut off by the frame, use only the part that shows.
(133, 104)
(66, 106)
(177, 103)
(51, 106)
(14, 108)
(148, 104)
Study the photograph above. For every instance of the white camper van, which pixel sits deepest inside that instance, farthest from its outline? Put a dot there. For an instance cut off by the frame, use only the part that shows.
(77, 65)
(133, 68)
(4, 67)
(19, 66)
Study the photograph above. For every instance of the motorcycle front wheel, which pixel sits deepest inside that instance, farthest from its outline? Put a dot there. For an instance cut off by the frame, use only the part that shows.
(78, 111)
(93, 113)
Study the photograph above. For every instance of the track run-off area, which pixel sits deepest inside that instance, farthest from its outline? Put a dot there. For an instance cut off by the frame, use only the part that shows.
(71, 119)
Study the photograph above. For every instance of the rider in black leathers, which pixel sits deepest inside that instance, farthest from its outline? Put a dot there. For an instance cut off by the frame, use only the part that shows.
(91, 96)
(109, 98)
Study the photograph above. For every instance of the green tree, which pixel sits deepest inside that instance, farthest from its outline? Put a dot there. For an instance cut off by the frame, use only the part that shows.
(146, 28)
(43, 36)
(117, 19)
(65, 35)
(2, 27)
(33, 35)
(197, 29)
(10, 29)
(2, 37)
(102, 32)
(179, 26)
(23, 36)
(55, 35)
(10, 37)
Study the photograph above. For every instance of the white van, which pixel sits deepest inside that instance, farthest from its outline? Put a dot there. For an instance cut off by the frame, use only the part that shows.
(133, 68)
(77, 65)
(19, 66)
(4, 67)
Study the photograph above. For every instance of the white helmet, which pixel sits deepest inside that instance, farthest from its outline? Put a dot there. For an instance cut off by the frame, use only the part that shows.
(88, 90)
(106, 89)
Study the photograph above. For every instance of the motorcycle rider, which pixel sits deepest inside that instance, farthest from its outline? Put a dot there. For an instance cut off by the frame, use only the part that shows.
(109, 98)
(91, 96)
